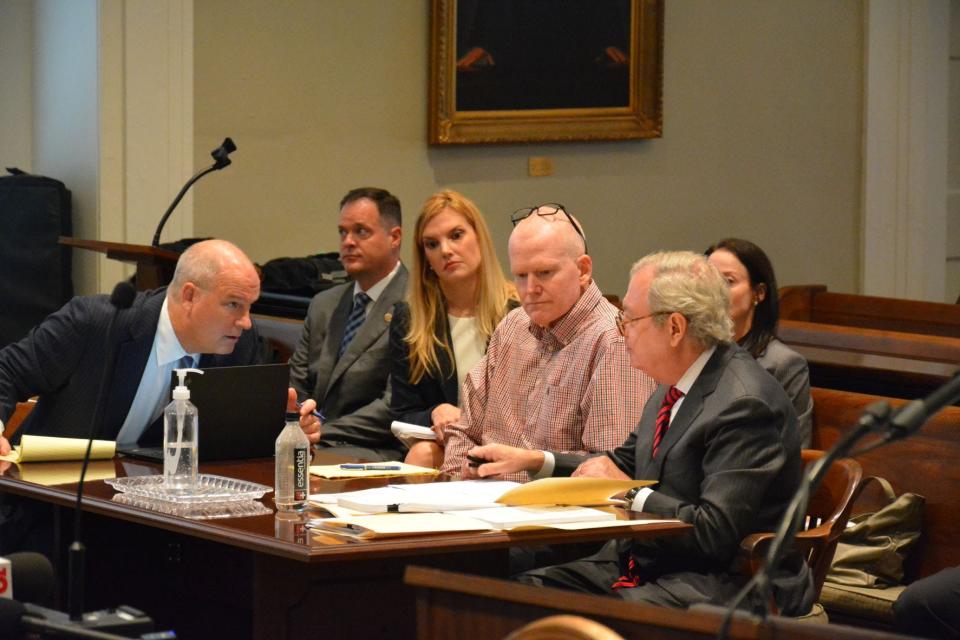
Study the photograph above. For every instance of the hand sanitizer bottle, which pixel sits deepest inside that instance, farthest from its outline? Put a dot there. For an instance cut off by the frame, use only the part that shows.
(292, 479)
(180, 440)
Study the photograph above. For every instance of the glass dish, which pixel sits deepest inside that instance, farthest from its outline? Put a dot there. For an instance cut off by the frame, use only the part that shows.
(210, 489)
(199, 510)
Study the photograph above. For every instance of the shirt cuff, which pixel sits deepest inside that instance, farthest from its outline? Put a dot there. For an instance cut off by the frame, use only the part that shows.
(546, 471)
(640, 499)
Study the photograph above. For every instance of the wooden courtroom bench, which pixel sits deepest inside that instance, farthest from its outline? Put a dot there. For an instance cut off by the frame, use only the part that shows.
(868, 344)
(813, 303)
(927, 463)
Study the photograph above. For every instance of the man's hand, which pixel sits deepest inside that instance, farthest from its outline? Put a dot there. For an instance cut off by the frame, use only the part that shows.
(443, 416)
(600, 467)
(501, 460)
(308, 422)
(4, 446)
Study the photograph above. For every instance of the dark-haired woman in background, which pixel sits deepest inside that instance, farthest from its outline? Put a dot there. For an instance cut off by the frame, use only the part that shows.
(755, 308)
(456, 297)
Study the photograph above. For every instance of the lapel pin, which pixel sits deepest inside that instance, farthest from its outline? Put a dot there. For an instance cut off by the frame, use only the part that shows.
(387, 317)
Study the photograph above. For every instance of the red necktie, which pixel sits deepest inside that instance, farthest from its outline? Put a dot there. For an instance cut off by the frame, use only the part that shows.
(663, 417)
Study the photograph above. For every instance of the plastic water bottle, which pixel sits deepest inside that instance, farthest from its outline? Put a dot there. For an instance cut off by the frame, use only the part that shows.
(180, 440)
(292, 479)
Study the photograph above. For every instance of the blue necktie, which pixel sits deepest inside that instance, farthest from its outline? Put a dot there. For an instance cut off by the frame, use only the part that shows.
(186, 362)
(357, 315)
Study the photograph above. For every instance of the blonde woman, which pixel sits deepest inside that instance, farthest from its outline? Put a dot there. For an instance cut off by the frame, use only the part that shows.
(457, 295)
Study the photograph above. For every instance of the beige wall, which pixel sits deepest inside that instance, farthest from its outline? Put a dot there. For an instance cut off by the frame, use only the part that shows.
(953, 159)
(762, 103)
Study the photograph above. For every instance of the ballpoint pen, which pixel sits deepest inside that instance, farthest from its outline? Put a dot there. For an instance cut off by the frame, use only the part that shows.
(372, 467)
(313, 413)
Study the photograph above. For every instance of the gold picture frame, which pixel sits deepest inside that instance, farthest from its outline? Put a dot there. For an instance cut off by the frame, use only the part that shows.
(505, 108)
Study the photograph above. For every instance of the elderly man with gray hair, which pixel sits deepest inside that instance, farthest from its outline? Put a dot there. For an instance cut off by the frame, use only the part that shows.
(719, 436)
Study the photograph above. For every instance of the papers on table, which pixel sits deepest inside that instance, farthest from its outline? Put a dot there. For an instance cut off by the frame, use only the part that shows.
(473, 505)
(50, 449)
(370, 527)
(408, 433)
(370, 470)
(419, 498)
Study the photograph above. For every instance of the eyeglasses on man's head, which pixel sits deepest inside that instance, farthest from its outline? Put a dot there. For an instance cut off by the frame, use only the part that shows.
(545, 211)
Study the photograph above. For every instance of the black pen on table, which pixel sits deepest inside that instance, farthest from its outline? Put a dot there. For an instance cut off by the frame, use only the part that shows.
(371, 467)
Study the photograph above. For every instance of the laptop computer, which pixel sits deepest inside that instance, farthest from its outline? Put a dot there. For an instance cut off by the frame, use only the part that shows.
(241, 412)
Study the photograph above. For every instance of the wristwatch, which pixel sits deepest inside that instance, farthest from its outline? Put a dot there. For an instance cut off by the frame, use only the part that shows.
(629, 496)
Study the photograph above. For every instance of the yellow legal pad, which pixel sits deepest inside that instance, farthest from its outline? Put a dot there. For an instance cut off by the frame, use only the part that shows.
(50, 449)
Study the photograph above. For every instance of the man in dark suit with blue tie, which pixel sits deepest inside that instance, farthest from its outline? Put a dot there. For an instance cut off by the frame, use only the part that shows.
(342, 359)
(719, 436)
(203, 314)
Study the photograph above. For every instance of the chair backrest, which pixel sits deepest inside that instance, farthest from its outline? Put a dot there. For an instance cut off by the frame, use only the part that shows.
(828, 510)
(827, 513)
(19, 415)
(565, 627)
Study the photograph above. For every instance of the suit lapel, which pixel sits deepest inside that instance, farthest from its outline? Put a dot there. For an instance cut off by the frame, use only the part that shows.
(133, 349)
(449, 385)
(378, 319)
(336, 326)
(692, 405)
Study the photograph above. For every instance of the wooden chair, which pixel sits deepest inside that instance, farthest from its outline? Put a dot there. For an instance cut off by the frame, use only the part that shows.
(827, 515)
(565, 627)
(19, 415)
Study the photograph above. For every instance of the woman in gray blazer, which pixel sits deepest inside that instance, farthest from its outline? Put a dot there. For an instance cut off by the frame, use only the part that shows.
(755, 308)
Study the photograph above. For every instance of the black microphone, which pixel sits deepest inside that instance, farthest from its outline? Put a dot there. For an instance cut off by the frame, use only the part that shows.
(221, 159)
(121, 298)
(32, 576)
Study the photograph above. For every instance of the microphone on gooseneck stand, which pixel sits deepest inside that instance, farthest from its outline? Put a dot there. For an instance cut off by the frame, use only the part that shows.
(221, 159)
(121, 298)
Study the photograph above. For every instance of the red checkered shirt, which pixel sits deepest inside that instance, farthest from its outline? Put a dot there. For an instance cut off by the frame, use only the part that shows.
(568, 389)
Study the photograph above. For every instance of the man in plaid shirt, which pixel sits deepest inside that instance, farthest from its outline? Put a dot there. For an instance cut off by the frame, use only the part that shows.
(556, 376)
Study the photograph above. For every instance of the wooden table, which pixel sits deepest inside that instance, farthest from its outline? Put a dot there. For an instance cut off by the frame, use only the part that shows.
(263, 576)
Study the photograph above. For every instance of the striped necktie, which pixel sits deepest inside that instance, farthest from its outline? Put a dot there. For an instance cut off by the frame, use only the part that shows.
(357, 315)
(663, 417)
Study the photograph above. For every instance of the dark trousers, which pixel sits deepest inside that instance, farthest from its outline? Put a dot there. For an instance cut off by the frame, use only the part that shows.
(930, 607)
(793, 589)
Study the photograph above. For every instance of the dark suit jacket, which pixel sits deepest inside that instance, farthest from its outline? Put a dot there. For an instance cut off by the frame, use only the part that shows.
(62, 361)
(414, 403)
(729, 464)
(352, 392)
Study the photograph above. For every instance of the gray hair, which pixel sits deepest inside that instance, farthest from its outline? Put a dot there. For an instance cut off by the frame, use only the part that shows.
(684, 282)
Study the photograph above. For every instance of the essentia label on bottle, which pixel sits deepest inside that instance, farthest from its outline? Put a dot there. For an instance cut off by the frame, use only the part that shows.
(300, 472)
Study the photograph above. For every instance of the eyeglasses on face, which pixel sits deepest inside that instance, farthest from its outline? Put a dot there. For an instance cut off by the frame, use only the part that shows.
(622, 321)
(546, 210)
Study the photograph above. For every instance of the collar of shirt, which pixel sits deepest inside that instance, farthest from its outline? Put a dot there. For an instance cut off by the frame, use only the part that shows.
(689, 377)
(567, 327)
(169, 348)
(375, 291)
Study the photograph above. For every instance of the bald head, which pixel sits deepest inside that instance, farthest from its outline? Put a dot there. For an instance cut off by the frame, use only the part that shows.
(549, 267)
(202, 262)
(209, 300)
(555, 230)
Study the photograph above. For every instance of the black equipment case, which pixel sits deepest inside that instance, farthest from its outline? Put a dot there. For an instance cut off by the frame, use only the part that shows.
(35, 271)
